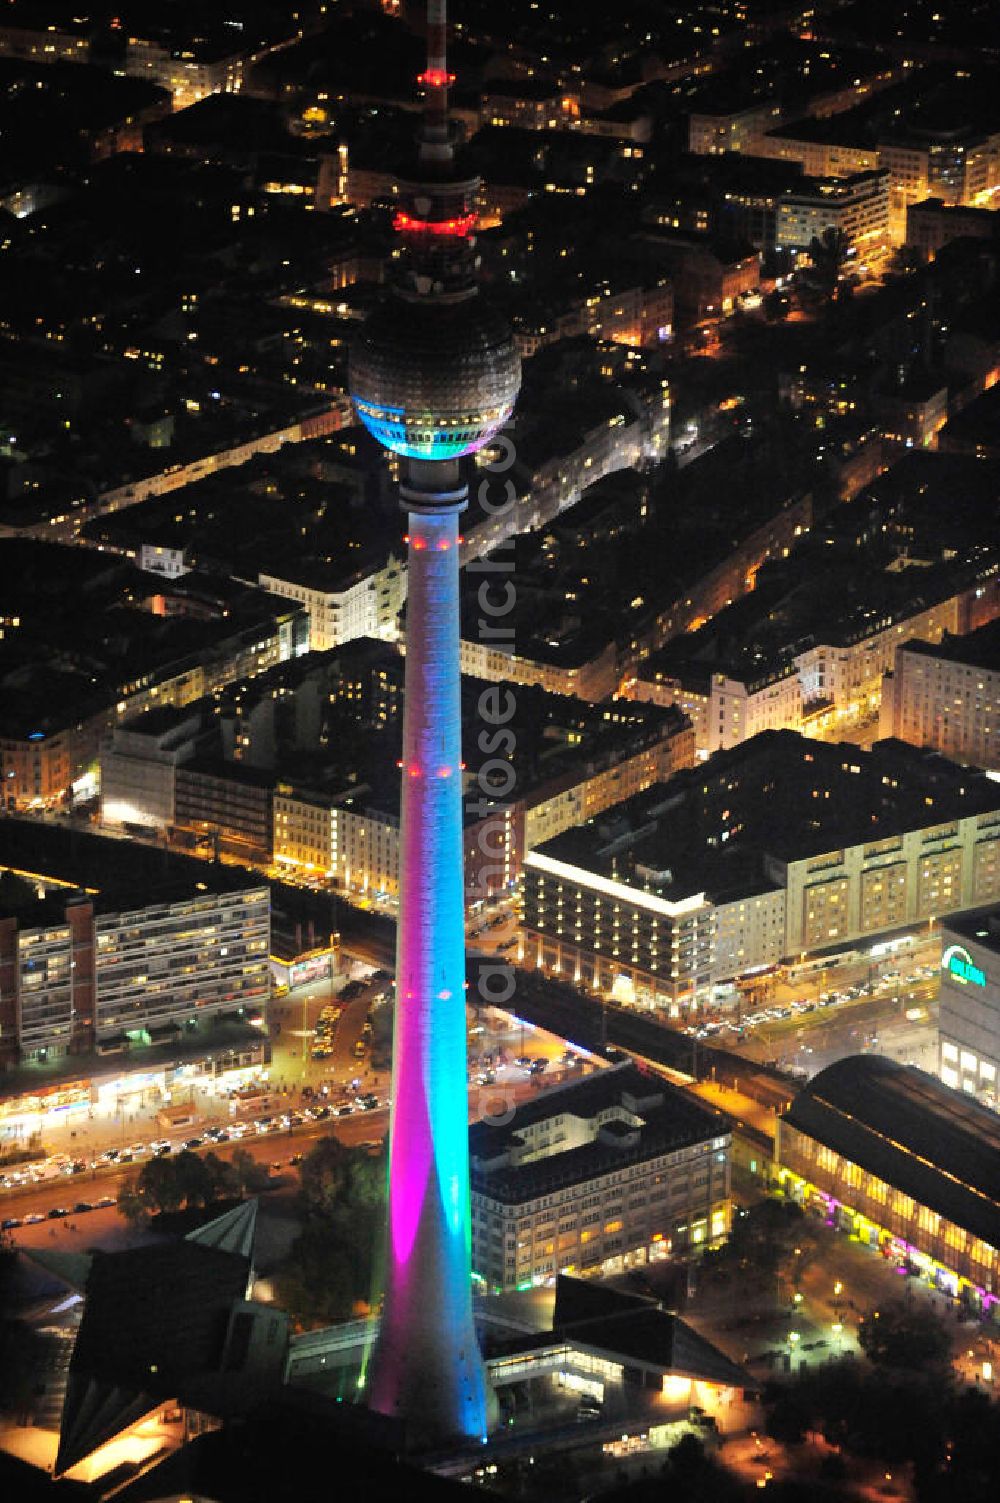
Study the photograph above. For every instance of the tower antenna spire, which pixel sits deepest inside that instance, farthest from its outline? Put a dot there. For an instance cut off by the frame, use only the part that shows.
(435, 139)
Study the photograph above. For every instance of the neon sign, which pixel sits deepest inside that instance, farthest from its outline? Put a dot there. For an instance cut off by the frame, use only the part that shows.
(960, 966)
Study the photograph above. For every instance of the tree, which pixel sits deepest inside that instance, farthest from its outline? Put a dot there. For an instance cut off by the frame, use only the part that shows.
(224, 1179)
(194, 1179)
(324, 1175)
(131, 1203)
(332, 1264)
(158, 1185)
(904, 1336)
(250, 1175)
(828, 252)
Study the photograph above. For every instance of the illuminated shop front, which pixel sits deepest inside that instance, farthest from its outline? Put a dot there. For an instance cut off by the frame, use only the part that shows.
(122, 1096)
(28, 1113)
(896, 1160)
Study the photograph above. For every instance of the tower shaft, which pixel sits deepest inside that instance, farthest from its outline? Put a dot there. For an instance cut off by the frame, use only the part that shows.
(427, 1366)
(434, 375)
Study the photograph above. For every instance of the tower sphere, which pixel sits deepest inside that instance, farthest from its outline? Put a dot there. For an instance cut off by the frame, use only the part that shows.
(435, 378)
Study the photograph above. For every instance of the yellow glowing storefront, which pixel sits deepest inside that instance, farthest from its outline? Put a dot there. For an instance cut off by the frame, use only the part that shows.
(860, 1204)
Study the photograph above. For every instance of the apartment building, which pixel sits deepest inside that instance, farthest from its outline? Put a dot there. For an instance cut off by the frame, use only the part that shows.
(741, 129)
(724, 708)
(946, 695)
(364, 604)
(840, 895)
(82, 969)
(165, 961)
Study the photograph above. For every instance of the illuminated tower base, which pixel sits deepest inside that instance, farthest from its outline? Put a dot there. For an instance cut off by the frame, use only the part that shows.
(427, 1366)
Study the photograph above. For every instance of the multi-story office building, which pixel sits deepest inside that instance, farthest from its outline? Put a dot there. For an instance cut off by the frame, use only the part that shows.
(227, 803)
(139, 762)
(905, 1164)
(969, 1017)
(704, 878)
(610, 1172)
(158, 945)
(857, 206)
(608, 934)
(947, 696)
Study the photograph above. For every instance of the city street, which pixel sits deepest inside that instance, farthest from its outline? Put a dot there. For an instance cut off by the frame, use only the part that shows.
(807, 1041)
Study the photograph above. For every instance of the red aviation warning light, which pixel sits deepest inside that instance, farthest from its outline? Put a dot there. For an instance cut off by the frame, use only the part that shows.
(458, 228)
(435, 78)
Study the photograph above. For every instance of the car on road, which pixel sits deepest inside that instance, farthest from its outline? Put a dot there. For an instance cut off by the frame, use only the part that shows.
(82, 1206)
(523, 1062)
(33, 1219)
(344, 1111)
(104, 1202)
(10, 1222)
(57, 1211)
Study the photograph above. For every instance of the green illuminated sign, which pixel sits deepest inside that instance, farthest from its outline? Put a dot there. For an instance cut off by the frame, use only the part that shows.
(959, 964)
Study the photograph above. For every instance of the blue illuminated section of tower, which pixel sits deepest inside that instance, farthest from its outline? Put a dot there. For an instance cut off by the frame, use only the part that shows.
(434, 374)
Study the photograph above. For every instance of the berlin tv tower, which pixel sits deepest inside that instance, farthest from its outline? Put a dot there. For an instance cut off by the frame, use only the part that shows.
(434, 374)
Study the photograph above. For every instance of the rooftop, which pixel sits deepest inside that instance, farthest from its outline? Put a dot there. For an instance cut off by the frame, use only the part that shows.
(685, 836)
(977, 649)
(53, 860)
(939, 1146)
(658, 1118)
